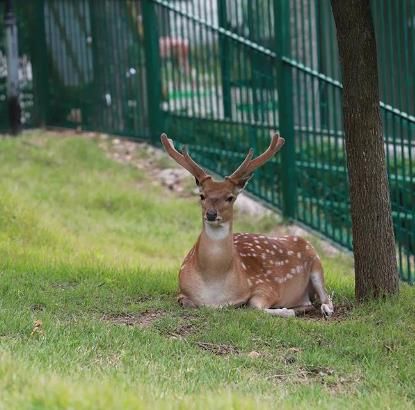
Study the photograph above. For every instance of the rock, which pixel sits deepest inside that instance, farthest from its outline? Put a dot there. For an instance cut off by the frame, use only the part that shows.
(173, 178)
(254, 354)
(245, 205)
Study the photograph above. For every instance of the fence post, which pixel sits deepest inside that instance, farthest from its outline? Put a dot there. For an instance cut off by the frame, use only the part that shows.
(153, 69)
(285, 107)
(225, 63)
(39, 63)
(12, 53)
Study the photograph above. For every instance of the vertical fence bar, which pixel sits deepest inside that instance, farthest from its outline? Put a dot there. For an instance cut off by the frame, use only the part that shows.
(153, 69)
(39, 56)
(285, 101)
(97, 74)
(12, 53)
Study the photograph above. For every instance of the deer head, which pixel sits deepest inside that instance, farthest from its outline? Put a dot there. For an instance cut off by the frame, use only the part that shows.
(217, 197)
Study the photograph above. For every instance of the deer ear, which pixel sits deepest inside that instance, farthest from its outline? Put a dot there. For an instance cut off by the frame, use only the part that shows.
(199, 185)
(241, 183)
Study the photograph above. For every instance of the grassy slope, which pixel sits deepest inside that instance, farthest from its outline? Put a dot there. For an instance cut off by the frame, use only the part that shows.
(82, 238)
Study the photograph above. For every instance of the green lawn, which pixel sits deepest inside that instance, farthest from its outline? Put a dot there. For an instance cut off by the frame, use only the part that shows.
(92, 248)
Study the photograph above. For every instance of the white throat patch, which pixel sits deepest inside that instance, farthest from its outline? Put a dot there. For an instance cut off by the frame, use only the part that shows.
(217, 233)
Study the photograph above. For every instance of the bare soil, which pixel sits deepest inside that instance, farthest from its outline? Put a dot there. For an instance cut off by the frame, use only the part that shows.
(143, 320)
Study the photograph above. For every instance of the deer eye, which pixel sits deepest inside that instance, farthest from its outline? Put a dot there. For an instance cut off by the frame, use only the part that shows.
(202, 197)
(229, 198)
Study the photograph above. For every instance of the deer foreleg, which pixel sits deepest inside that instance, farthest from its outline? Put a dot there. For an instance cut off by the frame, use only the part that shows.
(284, 312)
(261, 303)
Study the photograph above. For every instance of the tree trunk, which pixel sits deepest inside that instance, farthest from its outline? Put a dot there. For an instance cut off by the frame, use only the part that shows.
(373, 238)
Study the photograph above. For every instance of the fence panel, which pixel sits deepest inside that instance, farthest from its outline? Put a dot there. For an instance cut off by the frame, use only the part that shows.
(321, 169)
(95, 55)
(220, 91)
(221, 95)
(220, 76)
(395, 31)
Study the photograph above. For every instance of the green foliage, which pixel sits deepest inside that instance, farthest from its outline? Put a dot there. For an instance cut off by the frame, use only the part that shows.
(85, 241)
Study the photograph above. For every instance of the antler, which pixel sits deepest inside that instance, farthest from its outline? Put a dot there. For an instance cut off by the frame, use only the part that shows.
(184, 159)
(249, 165)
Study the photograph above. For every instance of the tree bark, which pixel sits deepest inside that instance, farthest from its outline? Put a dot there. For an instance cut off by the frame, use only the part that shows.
(376, 270)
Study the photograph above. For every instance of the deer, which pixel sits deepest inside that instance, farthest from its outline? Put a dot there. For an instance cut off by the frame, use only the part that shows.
(277, 275)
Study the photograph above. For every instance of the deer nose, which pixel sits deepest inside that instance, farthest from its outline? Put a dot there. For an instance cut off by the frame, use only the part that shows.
(211, 214)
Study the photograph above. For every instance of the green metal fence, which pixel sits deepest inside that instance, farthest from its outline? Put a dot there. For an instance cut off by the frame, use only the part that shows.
(219, 76)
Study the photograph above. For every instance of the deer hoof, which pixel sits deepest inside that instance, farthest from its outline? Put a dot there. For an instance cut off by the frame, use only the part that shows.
(327, 310)
(185, 302)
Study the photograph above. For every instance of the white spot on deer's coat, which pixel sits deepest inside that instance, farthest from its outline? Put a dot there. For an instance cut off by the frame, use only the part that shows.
(299, 256)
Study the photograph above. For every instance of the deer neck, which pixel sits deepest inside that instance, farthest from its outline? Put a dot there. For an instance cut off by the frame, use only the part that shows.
(215, 250)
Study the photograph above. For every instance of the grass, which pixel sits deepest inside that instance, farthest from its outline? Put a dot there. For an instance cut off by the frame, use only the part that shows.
(87, 244)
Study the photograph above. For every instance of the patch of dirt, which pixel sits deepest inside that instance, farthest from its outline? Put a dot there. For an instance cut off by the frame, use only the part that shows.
(145, 298)
(328, 377)
(182, 331)
(318, 371)
(341, 312)
(142, 320)
(38, 307)
(254, 354)
(186, 325)
(218, 349)
(64, 285)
